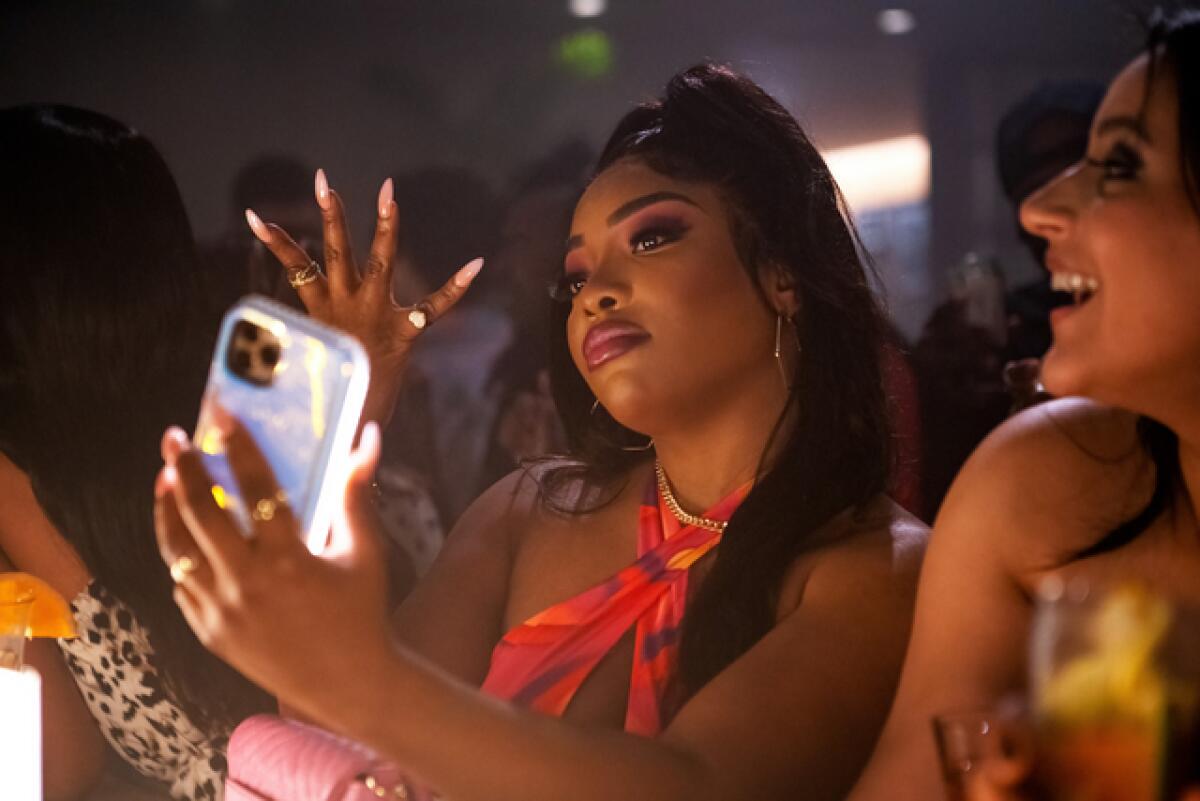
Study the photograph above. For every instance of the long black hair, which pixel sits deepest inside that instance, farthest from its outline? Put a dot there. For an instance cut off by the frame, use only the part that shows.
(1172, 44)
(716, 126)
(101, 348)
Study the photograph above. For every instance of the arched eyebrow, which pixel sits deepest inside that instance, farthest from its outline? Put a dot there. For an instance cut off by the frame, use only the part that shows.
(635, 205)
(1123, 123)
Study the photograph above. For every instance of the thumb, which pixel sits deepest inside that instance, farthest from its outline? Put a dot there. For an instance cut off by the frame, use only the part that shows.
(356, 528)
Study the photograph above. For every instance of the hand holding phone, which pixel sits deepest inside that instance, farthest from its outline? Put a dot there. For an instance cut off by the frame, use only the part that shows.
(298, 387)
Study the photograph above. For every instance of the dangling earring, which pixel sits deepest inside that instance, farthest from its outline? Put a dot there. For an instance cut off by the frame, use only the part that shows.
(779, 353)
(787, 387)
(630, 448)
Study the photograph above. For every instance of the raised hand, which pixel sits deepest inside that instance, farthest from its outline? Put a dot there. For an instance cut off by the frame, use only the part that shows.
(360, 301)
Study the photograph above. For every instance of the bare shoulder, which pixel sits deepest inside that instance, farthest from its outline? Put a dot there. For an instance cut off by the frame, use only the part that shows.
(1049, 482)
(515, 502)
(870, 553)
(1039, 448)
(494, 512)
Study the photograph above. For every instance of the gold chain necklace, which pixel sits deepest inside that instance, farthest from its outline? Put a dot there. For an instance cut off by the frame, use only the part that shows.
(664, 488)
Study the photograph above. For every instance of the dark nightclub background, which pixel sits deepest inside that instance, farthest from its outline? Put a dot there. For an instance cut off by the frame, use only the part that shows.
(475, 106)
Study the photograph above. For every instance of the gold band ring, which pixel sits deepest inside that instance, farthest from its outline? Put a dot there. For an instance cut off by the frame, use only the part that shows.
(183, 567)
(265, 509)
(300, 276)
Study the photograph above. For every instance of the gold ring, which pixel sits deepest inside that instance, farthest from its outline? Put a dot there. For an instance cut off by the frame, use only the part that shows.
(418, 318)
(299, 276)
(266, 508)
(183, 567)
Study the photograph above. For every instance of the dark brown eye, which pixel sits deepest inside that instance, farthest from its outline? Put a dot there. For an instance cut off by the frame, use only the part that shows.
(648, 241)
(1122, 163)
(567, 287)
(653, 237)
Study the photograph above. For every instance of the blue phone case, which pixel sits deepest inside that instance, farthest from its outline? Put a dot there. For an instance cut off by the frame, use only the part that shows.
(303, 417)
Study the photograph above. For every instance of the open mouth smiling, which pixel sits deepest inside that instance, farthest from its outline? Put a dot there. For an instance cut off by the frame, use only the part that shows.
(1073, 289)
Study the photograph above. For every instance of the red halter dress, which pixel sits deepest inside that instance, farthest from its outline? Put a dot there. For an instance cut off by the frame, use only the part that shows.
(544, 661)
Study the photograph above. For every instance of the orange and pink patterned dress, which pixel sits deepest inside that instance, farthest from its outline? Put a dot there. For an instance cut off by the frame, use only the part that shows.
(543, 662)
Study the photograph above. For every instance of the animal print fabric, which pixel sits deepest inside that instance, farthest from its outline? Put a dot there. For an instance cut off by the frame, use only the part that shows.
(113, 666)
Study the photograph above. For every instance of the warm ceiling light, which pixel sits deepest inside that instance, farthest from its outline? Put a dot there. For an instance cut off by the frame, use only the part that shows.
(892, 172)
(587, 8)
(896, 21)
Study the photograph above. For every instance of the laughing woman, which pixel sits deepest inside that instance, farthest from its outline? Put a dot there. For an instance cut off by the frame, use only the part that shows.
(1095, 488)
(710, 597)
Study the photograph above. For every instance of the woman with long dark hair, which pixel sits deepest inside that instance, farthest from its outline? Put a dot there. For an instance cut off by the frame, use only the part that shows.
(99, 349)
(1099, 488)
(714, 566)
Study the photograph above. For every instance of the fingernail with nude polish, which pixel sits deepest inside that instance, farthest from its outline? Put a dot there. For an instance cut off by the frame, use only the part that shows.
(164, 481)
(467, 273)
(174, 442)
(258, 226)
(385, 199)
(322, 187)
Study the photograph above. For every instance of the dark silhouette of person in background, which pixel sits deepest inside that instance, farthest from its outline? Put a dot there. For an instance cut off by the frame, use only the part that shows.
(966, 390)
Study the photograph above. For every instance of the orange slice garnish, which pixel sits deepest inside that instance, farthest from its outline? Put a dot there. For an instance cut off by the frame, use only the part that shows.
(49, 615)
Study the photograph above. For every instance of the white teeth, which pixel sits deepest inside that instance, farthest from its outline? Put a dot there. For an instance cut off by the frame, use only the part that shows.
(1073, 282)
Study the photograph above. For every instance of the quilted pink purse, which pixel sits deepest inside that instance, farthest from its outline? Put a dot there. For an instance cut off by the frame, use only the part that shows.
(273, 759)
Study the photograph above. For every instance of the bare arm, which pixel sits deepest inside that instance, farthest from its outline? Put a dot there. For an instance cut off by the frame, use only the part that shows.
(1018, 509)
(455, 614)
(801, 709)
(72, 746)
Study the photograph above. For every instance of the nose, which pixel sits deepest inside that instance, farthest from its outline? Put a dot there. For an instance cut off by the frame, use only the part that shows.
(607, 289)
(1050, 212)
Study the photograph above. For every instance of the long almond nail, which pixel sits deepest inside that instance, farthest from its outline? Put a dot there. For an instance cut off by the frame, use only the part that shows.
(467, 273)
(174, 443)
(322, 187)
(165, 481)
(385, 199)
(258, 227)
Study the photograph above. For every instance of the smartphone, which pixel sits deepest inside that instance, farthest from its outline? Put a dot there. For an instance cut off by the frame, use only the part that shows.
(298, 386)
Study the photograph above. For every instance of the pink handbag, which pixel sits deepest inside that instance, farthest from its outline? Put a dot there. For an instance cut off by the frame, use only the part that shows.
(273, 759)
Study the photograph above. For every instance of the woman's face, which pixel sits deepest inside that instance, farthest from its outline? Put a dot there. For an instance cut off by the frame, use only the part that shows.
(665, 323)
(1121, 228)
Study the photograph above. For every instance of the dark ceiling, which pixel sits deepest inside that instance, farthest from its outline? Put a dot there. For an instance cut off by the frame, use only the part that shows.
(365, 86)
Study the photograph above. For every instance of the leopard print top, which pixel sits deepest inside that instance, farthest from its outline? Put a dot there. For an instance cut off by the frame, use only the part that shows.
(112, 663)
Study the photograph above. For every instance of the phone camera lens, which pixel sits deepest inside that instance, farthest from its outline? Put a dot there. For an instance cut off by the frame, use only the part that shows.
(241, 362)
(270, 355)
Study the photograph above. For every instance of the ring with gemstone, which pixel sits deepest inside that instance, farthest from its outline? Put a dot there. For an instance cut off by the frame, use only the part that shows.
(182, 567)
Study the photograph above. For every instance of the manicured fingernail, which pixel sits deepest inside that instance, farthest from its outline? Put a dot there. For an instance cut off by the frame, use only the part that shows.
(385, 200)
(467, 273)
(322, 185)
(258, 226)
(164, 481)
(174, 443)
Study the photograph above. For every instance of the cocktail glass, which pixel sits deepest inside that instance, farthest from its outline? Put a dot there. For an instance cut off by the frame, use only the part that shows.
(1113, 695)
